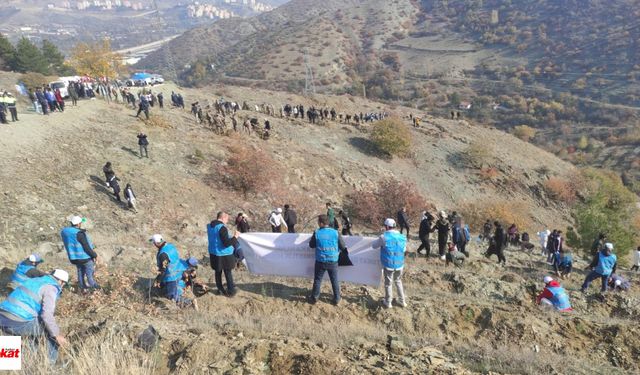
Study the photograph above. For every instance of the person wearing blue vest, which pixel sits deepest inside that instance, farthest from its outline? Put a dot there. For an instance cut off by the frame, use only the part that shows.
(81, 253)
(170, 267)
(29, 311)
(554, 295)
(602, 266)
(25, 270)
(328, 244)
(221, 253)
(563, 263)
(392, 245)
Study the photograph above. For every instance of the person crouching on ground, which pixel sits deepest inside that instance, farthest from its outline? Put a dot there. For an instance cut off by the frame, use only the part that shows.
(455, 256)
(554, 296)
(392, 245)
(328, 243)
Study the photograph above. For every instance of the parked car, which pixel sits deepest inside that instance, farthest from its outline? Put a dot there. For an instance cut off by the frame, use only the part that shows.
(62, 86)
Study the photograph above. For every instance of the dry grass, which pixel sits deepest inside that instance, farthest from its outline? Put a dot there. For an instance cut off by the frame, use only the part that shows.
(506, 212)
(560, 189)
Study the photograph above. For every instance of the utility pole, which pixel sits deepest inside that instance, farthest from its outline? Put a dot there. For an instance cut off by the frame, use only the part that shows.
(309, 81)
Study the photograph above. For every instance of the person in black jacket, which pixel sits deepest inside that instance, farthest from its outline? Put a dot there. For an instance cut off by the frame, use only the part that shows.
(423, 233)
(290, 218)
(443, 227)
(242, 223)
(108, 172)
(143, 142)
(499, 238)
(113, 182)
(403, 220)
(346, 223)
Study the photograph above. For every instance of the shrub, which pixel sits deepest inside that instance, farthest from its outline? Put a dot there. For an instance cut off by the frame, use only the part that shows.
(477, 155)
(507, 213)
(561, 190)
(392, 136)
(248, 170)
(372, 206)
(524, 132)
(608, 207)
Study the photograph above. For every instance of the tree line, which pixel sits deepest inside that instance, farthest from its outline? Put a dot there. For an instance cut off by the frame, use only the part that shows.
(25, 56)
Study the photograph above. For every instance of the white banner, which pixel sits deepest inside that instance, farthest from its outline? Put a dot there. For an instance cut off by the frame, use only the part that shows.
(289, 254)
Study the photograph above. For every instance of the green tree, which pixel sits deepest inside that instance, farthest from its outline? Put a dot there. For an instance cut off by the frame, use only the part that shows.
(454, 99)
(29, 58)
(392, 136)
(608, 207)
(54, 58)
(7, 53)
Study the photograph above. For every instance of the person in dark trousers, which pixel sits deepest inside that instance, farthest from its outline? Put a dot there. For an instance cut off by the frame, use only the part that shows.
(113, 182)
(160, 100)
(108, 172)
(143, 142)
(487, 228)
(346, 223)
(143, 106)
(130, 196)
(443, 227)
(81, 253)
(290, 218)
(423, 233)
(170, 267)
(221, 252)
(328, 244)
(403, 220)
(242, 223)
(10, 102)
(499, 239)
(461, 236)
(602, 266)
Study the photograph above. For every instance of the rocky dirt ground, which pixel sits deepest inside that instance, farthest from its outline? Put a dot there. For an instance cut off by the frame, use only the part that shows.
(479, 318)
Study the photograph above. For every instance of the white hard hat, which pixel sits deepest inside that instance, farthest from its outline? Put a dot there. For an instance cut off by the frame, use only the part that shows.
(75, 220)
(389, 223)
(618, 282)
(61, 275)
(156, 238)
(547, 279)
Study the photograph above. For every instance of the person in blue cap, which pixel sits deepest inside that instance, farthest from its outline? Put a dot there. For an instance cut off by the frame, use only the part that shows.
(26, 269)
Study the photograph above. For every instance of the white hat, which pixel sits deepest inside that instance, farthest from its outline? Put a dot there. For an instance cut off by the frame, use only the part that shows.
(443, 214)
(61, 275)
(35, 258)
(75, 220)
(547, 279)
(618, 282)
(279, 210)
(388, 222)
(156, 238)
(609, 245)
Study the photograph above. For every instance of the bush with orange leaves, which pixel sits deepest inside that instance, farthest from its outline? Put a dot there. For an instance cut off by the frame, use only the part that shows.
(506, 212)
(248, 170)
(561, 190)
(371, 207)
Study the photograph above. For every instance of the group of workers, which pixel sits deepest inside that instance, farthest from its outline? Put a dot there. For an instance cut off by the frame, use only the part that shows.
(29, 308)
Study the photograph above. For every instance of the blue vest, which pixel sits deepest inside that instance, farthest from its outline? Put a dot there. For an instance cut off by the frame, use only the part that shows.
(560, 298)
(215, 243)
(25, 302)
(605, 264)
(20, 275)
(566, 260)
(327, 245)
(174, 269)
(75, 251)
(392, 252)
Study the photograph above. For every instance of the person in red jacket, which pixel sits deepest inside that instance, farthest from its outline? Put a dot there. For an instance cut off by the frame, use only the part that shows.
(554, 295)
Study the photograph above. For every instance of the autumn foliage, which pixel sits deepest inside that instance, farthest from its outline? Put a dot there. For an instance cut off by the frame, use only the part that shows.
(96, 60)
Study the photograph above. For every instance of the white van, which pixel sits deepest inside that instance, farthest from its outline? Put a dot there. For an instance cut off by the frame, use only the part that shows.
(62, 86)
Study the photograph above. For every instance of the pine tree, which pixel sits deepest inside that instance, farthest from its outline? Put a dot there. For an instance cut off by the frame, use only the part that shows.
(7, 53)
(53, 57)
(29, 58)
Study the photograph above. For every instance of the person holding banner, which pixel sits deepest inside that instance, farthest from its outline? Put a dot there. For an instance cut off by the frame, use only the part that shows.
(392, 245)
(221, 252)
(328, 244)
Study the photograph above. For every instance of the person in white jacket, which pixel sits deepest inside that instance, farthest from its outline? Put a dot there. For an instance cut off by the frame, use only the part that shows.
(544, 236)
(277, 221)
(636, 260)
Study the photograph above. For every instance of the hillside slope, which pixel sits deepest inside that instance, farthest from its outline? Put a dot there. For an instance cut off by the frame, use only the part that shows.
(456, 319)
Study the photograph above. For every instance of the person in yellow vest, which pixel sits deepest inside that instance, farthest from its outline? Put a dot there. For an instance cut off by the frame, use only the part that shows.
(3, 109)
(10, 101)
